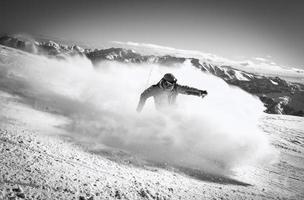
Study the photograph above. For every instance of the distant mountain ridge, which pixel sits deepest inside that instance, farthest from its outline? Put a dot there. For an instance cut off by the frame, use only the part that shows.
(278, 95)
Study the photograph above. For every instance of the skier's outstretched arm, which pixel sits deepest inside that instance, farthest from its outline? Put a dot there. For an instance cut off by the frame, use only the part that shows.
(143, 97)
(183, 89)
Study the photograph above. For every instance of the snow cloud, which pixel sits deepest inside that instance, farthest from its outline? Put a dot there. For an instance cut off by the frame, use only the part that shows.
(217, 133)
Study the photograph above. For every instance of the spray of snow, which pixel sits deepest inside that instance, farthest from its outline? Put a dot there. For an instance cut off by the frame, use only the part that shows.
(215, 133)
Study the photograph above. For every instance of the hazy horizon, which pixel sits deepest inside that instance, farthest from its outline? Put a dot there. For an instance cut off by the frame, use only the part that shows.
(237, 30)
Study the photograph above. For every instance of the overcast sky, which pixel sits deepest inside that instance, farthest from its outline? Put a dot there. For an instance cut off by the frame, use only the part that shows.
(233, 29)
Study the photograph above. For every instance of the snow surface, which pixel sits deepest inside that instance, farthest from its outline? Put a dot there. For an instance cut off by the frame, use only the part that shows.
(62, 139)
(273, 82)
(240, 76)
(43, 162)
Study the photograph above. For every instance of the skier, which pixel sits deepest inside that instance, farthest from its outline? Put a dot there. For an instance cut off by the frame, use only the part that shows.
(166, 91)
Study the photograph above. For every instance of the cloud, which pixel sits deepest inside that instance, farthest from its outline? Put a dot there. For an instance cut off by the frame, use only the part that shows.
(261, 59)
(147, 45)
(172, 51)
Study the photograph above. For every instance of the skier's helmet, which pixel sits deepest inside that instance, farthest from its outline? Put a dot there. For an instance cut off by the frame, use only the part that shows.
(168, 81)
(170, 78)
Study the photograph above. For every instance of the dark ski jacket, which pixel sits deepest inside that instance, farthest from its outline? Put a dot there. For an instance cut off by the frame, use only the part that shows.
(164, 97)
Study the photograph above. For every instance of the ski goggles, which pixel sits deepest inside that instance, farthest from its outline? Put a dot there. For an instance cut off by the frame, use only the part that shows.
(168, 84)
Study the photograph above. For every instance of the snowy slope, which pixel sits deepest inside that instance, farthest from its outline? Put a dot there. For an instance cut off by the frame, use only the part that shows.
(39, 160)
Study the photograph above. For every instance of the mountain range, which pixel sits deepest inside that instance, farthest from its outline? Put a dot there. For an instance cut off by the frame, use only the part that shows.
(280, 96)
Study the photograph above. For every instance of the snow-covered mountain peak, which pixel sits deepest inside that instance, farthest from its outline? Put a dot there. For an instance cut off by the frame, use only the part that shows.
(255, 65)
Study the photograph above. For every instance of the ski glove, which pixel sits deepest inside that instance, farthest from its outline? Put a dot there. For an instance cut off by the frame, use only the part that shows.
(203, 93)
